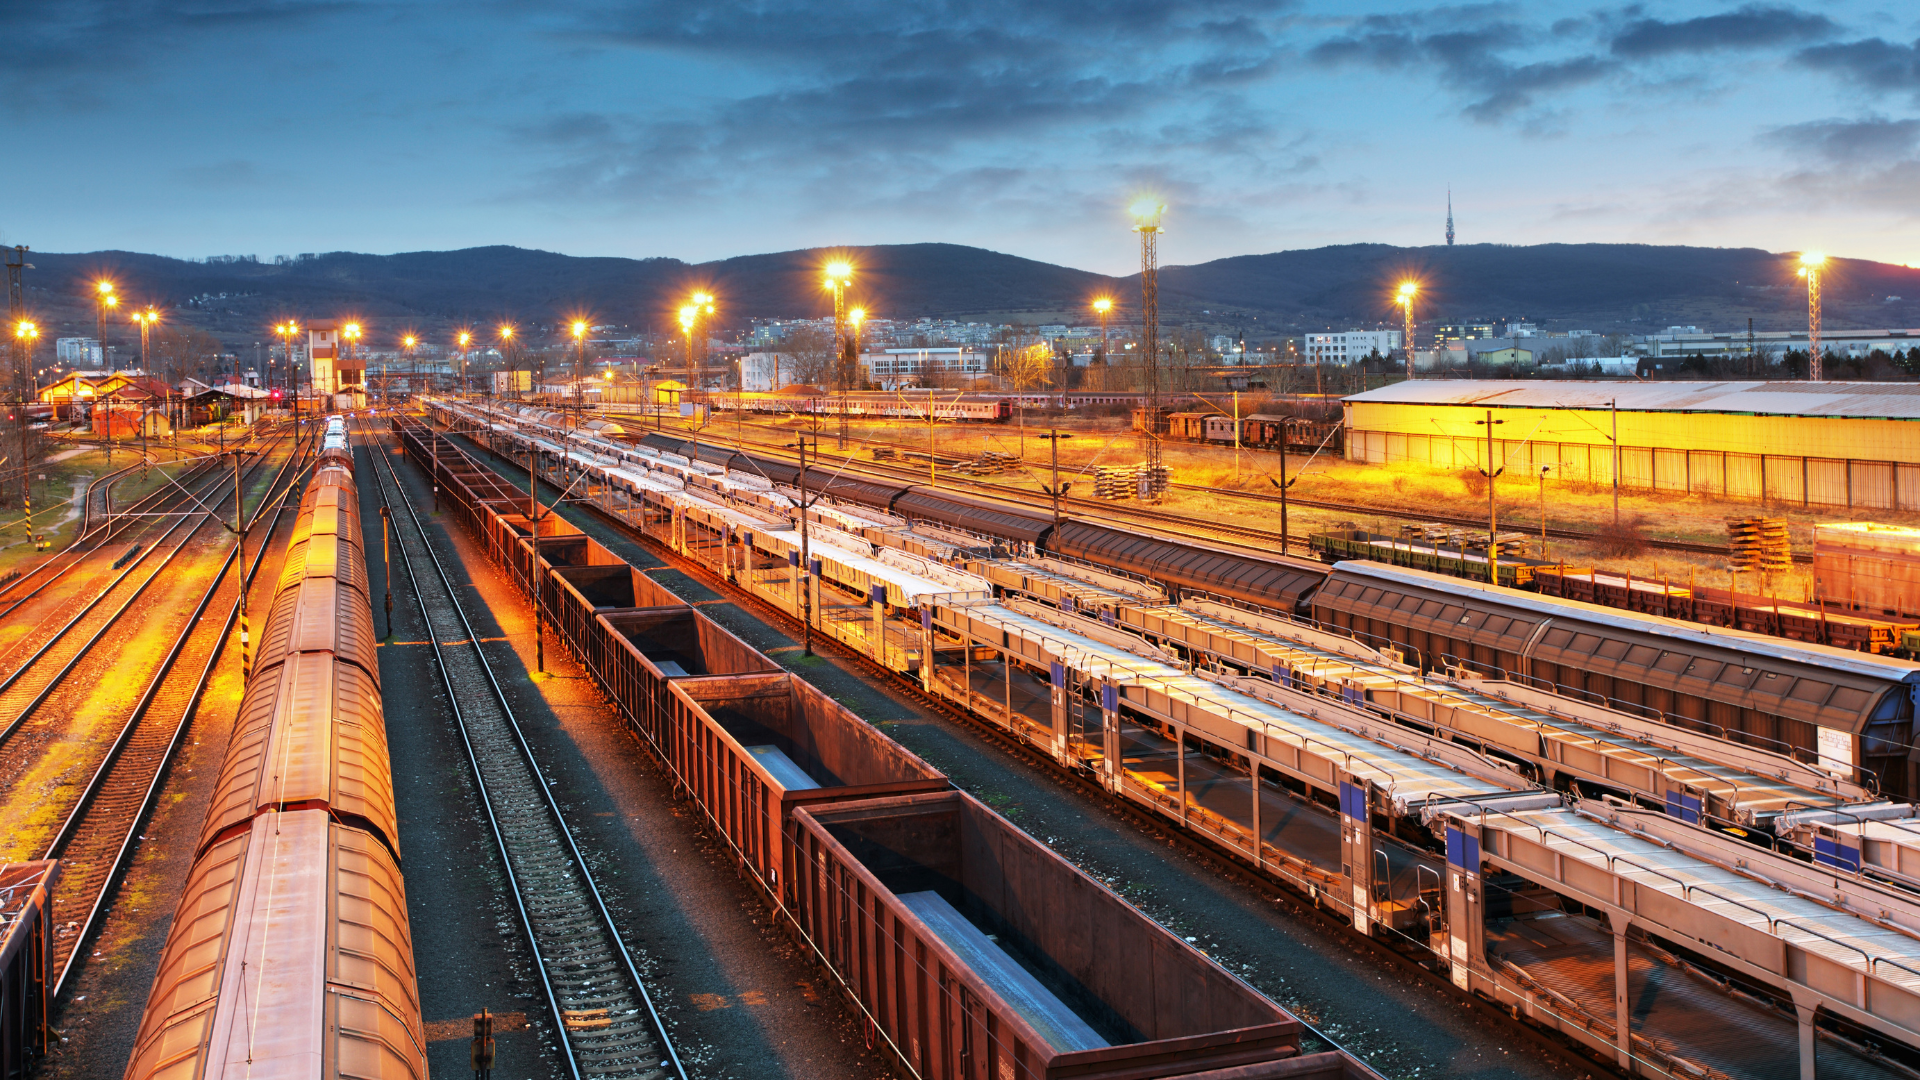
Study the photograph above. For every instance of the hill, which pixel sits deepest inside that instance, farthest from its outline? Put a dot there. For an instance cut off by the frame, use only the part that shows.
(1607, 287)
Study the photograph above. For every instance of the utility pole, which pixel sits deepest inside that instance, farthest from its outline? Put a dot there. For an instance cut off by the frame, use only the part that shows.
(806, 565)
(1283, 484)
(240, 570)
(386, 562)
(1543, 510)
(1810, 264)
(1613, 405)
(1493, 515)
(1056, 489)
(933, 476)
(533, 571)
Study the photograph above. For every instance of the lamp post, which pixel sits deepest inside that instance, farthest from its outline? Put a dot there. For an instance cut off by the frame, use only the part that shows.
(693, 318)
(1405, 297)
(287, 331)
(1103, 307)
(463, 339)
(839, 276)
(506, 348)
(349, 337)
(409, 342)
(579, 365)
(145, 320)
(105, 301)
(1810, 265)
(25, 335)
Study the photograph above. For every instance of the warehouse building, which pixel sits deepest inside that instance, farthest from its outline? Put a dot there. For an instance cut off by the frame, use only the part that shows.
(1854, 445)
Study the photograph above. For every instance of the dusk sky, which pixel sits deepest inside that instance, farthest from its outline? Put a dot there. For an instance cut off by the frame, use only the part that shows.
(704, 130)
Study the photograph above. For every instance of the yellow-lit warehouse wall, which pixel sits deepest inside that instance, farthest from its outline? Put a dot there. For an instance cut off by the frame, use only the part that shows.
(1815, 461)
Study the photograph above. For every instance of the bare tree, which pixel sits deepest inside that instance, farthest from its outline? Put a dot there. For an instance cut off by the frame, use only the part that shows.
(808, 355)
(1023, 369)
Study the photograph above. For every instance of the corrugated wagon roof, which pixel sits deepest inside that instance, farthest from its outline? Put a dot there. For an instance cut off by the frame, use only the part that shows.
(1896, 401)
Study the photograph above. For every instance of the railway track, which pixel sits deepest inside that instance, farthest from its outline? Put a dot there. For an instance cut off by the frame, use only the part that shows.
(98, 836)
(605, 1021)
(44, 671)
(1235, 533)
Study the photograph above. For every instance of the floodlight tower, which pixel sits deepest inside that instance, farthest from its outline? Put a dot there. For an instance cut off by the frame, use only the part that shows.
(1405, 297)
(1146, 212)
(839, 276)
(1810, 265)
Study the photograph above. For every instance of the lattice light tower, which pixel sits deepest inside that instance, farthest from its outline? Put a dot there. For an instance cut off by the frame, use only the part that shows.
(839, 276)
(1147, 212)
(1405, 297)
(1810, 265)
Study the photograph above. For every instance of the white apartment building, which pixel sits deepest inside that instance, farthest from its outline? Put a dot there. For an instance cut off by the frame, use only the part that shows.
(895, 368)
(1350, 346)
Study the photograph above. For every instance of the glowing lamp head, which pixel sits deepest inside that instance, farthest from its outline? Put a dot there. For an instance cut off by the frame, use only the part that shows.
(579, 330)
(839, 273)
(506, 333)
(351, 331)
(1408, 290)
(1146, 211)
(465, 338)
(856, 316)
(1103, 305)
(409, 341)
(25, 329)
(111, 301)
(105, 288)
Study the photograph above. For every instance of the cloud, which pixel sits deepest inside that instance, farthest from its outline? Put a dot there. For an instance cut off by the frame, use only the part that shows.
(1754, 26)
(1466, 55)
(1871, 62)
(1873, 139)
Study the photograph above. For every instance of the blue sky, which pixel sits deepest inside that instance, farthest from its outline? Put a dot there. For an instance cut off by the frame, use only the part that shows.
(703, 130)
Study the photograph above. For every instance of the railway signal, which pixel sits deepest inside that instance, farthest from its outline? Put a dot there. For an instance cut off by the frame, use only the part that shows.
(1056, 489)
(483, 1046)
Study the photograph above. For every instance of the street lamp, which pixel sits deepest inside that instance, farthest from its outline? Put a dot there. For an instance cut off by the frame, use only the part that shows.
(1103, 307)
(579, 363)
(106, 301)
(1405, 297)
(349, 337)
(506, 347)
(25, 336)
(146, 319)
(839, 276)
(465, 339)
(287, 331)
(408, 342)
(1810, 264)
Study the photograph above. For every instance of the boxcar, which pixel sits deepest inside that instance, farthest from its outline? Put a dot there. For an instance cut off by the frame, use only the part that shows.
(982, 953)
(289, 956)
(310, 733)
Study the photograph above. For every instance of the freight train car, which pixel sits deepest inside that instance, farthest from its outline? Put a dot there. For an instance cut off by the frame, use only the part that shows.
(769, 761)
(290, 954)
(903, 405)
(1841, 708)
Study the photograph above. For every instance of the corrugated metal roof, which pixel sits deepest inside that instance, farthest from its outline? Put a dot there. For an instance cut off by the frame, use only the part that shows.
(1896, 401)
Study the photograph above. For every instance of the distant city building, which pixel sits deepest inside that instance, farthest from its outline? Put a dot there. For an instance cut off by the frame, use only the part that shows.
(1462, 332)
(894, 369)
(1350, 346)
(1684, 341)
(78, 351)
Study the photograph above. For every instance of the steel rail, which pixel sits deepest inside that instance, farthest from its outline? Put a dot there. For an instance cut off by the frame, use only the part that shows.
(80, 556)
(83, 815)
(542, 917)
(791, 625)
(1317, 504)
(200, 519)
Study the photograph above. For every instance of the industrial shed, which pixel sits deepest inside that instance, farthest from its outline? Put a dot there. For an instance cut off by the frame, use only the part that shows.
(1853, 445)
